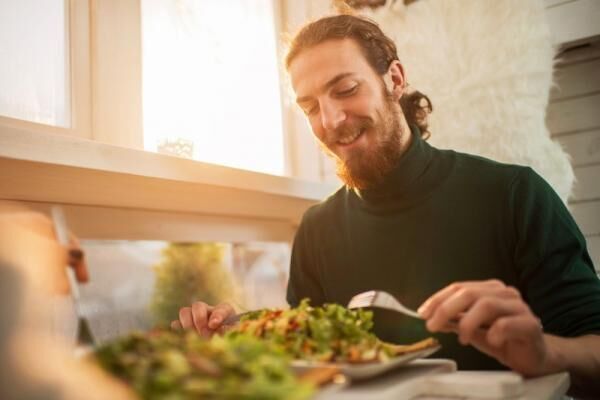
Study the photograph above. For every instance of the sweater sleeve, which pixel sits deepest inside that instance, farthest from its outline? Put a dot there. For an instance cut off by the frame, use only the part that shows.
(556, 274)
(304, 279)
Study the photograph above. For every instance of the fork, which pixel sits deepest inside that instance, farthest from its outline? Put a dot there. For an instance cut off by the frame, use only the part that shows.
(382, 299)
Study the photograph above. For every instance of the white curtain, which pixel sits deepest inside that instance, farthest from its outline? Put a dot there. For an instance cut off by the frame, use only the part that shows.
(34, 66)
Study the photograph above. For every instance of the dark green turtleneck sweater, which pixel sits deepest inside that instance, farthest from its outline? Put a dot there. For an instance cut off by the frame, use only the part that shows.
(442, 217)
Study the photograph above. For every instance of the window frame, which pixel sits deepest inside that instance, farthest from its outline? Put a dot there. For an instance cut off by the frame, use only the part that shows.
(110, 187)
(77, 27)
(106, 81)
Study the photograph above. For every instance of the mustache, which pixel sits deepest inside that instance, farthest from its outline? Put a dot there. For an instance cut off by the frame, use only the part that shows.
(349, 129)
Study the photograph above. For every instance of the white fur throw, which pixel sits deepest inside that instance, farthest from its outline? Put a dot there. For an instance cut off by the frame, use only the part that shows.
(487, 67)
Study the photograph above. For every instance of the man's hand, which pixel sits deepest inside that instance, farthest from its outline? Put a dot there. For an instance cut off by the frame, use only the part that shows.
(205, 319)
(494, 318)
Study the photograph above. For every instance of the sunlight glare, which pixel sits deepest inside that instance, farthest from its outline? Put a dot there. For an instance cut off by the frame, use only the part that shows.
(210, 76)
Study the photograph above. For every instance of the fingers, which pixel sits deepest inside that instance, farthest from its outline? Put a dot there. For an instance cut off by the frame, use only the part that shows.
(431, 304)
(455, 301)
(176, 325)
(515, 341)
(485, 312)
(493, 318)
(219, 314)
(514, 328)
(200, 314)
(185, 318)
(203, 318)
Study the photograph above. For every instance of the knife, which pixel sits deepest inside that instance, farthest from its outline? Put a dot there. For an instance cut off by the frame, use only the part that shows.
(234, 319)
(84, 332)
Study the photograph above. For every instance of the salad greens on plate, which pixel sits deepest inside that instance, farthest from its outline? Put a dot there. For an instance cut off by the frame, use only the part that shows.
(331, 333)
(174, 365)
(254, 359)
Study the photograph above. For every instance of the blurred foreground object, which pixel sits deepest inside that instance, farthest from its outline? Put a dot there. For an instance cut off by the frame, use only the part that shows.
(28, 241)
(84, 332)
(164, 364)
(34, 364)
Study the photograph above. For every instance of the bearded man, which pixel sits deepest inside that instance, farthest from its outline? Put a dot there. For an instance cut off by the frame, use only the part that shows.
(464, 237)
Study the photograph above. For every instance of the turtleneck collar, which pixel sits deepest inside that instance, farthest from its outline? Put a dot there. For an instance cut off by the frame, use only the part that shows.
(417, 173)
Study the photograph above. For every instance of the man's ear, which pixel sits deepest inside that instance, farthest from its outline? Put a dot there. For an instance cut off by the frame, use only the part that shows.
(394, 79)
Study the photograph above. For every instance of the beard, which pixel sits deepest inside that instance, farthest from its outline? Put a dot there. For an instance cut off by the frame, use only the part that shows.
(367, 169)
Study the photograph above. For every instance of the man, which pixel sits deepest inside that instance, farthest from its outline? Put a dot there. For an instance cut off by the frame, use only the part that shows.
(466, 238)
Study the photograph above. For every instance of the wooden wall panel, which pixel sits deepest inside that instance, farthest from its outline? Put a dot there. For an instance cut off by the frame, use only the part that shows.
(554, 3)
(577, 54)
(577, 79)
(593, 243)
(587, 186)
(574, 21)
(587, 216)
(583, 147)
(573, 115)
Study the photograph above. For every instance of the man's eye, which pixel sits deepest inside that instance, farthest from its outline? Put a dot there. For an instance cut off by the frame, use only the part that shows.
(347, 92)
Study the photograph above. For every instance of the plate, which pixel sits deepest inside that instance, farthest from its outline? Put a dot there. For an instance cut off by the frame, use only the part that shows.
(358, 371)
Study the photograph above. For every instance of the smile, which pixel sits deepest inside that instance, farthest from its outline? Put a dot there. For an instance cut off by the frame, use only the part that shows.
(349, 139)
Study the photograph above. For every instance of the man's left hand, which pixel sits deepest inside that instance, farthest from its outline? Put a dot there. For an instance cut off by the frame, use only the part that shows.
(494, 318)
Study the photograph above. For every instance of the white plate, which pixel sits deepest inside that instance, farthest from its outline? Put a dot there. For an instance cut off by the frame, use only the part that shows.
(359, 371)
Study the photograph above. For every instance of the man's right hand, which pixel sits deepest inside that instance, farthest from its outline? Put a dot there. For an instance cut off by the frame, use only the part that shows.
(205, 319)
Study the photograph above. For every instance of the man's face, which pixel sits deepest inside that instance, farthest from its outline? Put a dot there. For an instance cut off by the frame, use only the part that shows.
(352, 112)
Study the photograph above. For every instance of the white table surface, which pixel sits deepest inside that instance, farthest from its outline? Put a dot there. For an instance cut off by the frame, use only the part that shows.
(437, 379)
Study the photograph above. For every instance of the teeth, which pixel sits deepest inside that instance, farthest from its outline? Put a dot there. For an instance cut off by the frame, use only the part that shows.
(350, 139)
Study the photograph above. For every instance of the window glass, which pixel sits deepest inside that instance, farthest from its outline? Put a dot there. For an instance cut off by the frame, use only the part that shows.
(135, 285)
(34, 71)
(211, 82)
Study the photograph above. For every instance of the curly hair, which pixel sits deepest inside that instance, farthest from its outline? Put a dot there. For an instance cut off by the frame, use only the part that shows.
(378, 49)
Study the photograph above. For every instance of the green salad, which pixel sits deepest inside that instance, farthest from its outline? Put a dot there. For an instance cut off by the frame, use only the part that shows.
(329, 333)
(251, 361)
(170, 365)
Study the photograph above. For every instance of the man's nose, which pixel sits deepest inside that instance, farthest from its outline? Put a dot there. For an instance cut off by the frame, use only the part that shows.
(332, 116)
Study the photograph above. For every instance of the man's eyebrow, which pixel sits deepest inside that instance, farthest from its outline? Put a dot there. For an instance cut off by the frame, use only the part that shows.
(329, 84)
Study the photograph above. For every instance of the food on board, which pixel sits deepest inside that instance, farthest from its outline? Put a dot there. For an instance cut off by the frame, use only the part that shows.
(182, 365)
(331, 333)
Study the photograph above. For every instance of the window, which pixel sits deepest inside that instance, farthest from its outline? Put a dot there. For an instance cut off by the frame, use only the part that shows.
(34, 72)
(167, 276)
(211, 82)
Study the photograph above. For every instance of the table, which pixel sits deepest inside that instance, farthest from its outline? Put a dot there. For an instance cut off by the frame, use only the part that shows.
(437, 379)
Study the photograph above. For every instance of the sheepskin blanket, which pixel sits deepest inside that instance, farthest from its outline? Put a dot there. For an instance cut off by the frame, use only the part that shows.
(487, 67)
